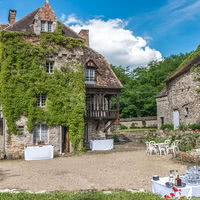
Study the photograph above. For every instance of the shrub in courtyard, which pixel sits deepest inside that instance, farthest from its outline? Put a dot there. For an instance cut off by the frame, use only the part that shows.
(123, 127)
(167, 126)
(189, 157)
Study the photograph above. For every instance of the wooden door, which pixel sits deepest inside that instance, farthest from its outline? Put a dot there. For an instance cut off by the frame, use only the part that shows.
(65, 140)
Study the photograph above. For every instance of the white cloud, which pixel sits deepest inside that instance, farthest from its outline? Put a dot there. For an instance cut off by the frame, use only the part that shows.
(115, 42)
(71, 19)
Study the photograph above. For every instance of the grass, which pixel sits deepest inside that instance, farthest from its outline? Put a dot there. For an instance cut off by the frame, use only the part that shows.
(135, 130)
(81, 196)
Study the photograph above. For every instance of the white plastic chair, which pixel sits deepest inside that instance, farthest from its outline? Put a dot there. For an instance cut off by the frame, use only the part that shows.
(174, 147)
(151, 148)
(162, 147)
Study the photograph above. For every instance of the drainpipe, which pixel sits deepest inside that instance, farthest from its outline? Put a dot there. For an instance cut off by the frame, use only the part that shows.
(60, 140)
(4, 137)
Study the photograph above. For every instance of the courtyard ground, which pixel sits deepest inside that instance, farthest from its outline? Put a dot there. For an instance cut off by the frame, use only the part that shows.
(116, 170)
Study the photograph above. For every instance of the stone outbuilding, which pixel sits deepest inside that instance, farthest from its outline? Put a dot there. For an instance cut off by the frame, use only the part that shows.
(179, 102)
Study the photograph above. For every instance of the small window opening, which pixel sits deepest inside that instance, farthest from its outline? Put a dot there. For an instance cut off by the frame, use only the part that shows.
(162, 120)
(41, 100)
(20, 129)
(49, 67)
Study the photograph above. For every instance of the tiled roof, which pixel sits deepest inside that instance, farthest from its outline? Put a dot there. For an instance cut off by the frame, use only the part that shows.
(185, 68)
(106, 78)
(3, 26)
(25, 24)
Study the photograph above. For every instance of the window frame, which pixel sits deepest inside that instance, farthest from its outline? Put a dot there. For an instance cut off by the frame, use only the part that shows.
(35, 142)
(40, 100)
(90, 75)
(43, 26)
(49, 67)
(49, 27)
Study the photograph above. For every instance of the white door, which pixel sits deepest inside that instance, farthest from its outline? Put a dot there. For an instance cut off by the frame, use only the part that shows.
(176, 120)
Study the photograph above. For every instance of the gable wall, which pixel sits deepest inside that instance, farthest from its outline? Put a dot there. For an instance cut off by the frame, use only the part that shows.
(181, 95)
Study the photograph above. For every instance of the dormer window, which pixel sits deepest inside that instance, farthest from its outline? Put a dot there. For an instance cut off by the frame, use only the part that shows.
(49, 67)
(90, 73)
(46, 26)
(43, 26)
(49, 26)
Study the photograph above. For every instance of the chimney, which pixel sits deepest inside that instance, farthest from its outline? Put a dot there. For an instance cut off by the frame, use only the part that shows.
(84, 34)
(12, 16)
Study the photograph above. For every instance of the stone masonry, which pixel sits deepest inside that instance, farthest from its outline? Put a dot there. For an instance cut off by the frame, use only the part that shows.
(181, 95)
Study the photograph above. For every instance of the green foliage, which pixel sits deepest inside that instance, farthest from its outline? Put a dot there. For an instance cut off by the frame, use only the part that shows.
(23, 76)
(142, 85)
(167, 126)
(193, 126)
(81, 196)
(116, 138)
(156, 139)
(123, 127)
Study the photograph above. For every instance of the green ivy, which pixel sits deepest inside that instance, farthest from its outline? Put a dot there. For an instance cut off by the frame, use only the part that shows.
(23, 76)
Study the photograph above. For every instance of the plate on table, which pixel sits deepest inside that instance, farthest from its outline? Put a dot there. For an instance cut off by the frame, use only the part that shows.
(170, 186)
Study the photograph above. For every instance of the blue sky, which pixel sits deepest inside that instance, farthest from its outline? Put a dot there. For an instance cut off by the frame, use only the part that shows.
(164, 26)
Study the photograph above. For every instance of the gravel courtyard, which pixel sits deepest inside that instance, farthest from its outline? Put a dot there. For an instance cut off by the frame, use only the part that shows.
(119, 170)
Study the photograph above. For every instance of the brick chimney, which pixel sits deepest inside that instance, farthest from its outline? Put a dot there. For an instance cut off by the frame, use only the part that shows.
(12, 16)
(84, 34)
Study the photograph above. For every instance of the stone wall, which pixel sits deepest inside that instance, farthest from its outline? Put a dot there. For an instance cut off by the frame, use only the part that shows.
(139, 122)
(1, 147)
(182, 97)
(15, 143)
(93, 132)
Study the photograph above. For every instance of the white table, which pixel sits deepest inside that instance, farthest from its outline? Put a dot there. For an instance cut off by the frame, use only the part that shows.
(101, 145)
(42, 152)
(160, 188)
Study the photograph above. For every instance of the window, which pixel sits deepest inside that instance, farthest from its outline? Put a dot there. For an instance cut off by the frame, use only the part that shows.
(42, 26)
(41, 100)
(49, 67)
(49, 26)
(90, 75)
(162, 120)
(40, 134)
(20, 129)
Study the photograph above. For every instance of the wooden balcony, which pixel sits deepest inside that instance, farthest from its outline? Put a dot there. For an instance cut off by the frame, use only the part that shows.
(101, 114)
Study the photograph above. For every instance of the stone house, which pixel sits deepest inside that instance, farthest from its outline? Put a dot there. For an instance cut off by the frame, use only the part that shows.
(179, 102)
(102, 86)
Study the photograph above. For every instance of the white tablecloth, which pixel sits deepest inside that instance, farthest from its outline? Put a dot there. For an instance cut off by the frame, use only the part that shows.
(101, 145)
(159, 187)
(39, 152)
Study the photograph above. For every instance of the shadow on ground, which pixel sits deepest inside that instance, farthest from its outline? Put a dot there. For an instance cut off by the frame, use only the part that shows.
(4, 174)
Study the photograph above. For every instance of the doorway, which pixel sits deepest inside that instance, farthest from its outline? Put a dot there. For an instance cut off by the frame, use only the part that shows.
(65, 140)
(176, 117)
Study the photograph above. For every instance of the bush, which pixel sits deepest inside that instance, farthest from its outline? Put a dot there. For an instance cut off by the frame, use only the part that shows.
(167, 126)
(116, 138)
(152, 138)
(123, 127)
(132, 126)
(193, 126)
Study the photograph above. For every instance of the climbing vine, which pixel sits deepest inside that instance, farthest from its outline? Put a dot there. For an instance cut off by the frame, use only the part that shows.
(23, 77)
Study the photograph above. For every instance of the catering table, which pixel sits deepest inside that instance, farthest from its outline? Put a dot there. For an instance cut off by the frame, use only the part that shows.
(101, 145)
(41, 152)
(160, 188)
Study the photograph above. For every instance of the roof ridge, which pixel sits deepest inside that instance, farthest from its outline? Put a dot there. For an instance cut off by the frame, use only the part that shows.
(22, 19)
(70, 29)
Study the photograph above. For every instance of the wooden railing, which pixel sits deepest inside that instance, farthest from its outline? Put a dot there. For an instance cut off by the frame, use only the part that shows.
(101, 114)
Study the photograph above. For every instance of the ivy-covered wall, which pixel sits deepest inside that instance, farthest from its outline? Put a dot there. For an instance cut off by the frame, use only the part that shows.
(23, 76)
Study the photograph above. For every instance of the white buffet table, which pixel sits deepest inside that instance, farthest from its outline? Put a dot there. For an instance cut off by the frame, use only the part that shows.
(39, 152)
(160, 188)
(101, 145)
